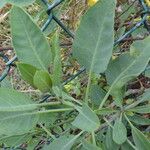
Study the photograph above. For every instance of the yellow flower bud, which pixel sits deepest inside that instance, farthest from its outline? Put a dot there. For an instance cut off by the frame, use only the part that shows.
(92, 2)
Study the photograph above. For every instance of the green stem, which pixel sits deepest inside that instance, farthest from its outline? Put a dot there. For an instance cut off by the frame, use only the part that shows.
(105, 98)
(46, 130)
(88, 88)
(131, 144)
(93, 138)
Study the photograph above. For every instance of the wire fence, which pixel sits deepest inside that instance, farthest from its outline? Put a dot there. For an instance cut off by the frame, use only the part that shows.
(50, 7)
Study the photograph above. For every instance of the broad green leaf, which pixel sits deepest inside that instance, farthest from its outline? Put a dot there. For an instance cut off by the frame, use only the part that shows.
(89, 146)
(42, 81)
(28, 41)
(119, 132)
(94, 39)
(11, 101)
(96, 94)
(6, 83)
(139, 120)
(127, 67)
(109, 143)
(12, 141)
(20, 2)
(140, 140)
(141, 109)
(16, 123)
(27, 72)
(57, 66)
(15, 116)
(62, 143)
(87, 120)
(147, 73)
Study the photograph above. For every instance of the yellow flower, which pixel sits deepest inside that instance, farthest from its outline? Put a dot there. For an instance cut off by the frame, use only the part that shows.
(147, 2)
(92, 2)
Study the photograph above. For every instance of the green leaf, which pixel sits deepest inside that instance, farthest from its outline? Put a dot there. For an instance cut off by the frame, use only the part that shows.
(109, 143)
(57, 66)
(126, 146)
(27, 72)
(147, 73)
(15, 116)
(12, 101)
(145, 97)
(62, 143)
(89, 146)
(87, 120)
(42, 81)
(96, 94)
(119, 132)
(12, 141)
(126, 67)
(140, 140)
(20, 2)
(95, 37)
(139, 120)
(16, 123)
(29, 42)
(141, 109)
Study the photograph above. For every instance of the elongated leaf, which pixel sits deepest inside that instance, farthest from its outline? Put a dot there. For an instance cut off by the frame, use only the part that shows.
(96, 94)
(57, 68)
(95, 37)
(20, 2)
(141, 109)
(141, 142)
(27, 72)
(145, 97)
(13, 141)
(42, 81)
(127, 67)
(87, 120)
(139, 120)
(62, 143)
(29, 42)
(11, 101)
(14, 118)
(109, 143)
(119, 132)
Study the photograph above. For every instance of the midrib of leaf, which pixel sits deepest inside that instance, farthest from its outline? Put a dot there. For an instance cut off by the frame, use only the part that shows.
(92, 63)
(32, 46)
(36, 113)
(108, 93)
(44, 82)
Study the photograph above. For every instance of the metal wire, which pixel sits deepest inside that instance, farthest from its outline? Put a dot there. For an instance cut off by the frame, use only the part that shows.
(51, 16)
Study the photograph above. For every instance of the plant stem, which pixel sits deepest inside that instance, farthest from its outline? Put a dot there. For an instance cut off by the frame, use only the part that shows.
(93, 138)
(46, 130)
(105, 98)
(88, 87)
